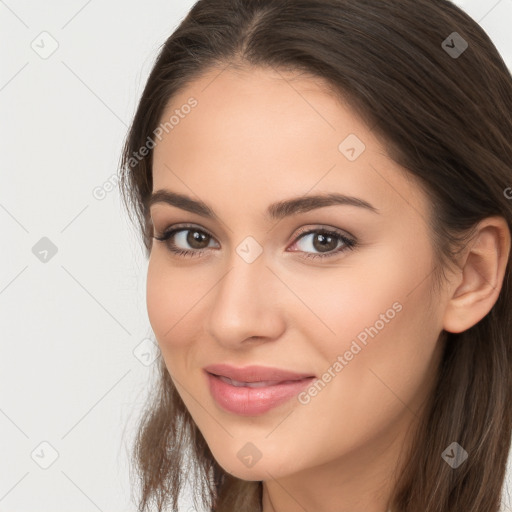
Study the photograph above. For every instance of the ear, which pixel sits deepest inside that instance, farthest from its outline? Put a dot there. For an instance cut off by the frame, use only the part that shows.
(482, 271)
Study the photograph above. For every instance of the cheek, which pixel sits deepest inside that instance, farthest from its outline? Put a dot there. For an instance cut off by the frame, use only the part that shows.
(170, 300)
(355, 302)
(375, 317)
(391, 340)
(157, 298)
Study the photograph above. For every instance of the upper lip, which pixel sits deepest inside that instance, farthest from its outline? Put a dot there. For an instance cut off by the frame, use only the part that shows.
(254, 373)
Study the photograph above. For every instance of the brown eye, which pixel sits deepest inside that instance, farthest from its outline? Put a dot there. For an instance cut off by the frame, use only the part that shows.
(196, 238)
(186, 241)
(326, 242)
(189, 241)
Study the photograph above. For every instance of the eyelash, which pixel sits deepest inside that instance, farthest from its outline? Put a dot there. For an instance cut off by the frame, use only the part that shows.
(349, 244)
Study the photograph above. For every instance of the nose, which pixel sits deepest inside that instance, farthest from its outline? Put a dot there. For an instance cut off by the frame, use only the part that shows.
(247, 304)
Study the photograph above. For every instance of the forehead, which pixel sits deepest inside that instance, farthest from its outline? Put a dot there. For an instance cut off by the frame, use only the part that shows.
(254, 118)
(273, 133)
(257, 98)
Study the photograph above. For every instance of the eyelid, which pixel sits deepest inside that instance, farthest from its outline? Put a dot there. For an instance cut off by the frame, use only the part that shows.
(323, 227)
(182, 226)
(301, 231)
(348, 239)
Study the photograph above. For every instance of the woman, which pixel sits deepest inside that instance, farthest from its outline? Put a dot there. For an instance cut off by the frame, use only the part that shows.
(323, 191)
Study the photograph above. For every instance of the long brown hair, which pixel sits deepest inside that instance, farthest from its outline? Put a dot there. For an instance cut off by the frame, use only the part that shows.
(447, 119)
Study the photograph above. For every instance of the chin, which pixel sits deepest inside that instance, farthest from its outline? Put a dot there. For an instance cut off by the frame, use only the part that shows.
(263, 469)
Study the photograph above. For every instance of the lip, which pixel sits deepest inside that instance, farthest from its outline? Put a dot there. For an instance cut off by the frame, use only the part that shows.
(255, 373)
(251, 401)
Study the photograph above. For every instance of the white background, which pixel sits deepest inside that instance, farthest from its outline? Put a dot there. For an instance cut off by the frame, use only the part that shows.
(68, 372)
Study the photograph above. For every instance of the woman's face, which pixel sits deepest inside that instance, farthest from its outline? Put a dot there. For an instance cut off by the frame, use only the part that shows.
(278, 286)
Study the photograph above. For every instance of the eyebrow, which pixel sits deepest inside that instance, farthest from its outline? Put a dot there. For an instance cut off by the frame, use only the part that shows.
(275, 211)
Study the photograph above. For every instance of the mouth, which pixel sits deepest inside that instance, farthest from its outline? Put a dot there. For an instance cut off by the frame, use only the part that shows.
(253, 398)
(255, 374)
(257, 384)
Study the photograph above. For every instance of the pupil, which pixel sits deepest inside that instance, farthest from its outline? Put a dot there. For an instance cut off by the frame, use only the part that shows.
(324, 242)
(195, 237)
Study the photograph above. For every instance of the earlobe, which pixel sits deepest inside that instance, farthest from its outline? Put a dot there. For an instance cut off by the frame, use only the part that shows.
(483, 269)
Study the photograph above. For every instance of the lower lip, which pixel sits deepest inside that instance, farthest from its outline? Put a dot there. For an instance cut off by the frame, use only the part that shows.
(246, 401)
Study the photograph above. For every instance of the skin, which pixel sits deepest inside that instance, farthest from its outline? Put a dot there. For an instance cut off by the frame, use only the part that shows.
(258, 136)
